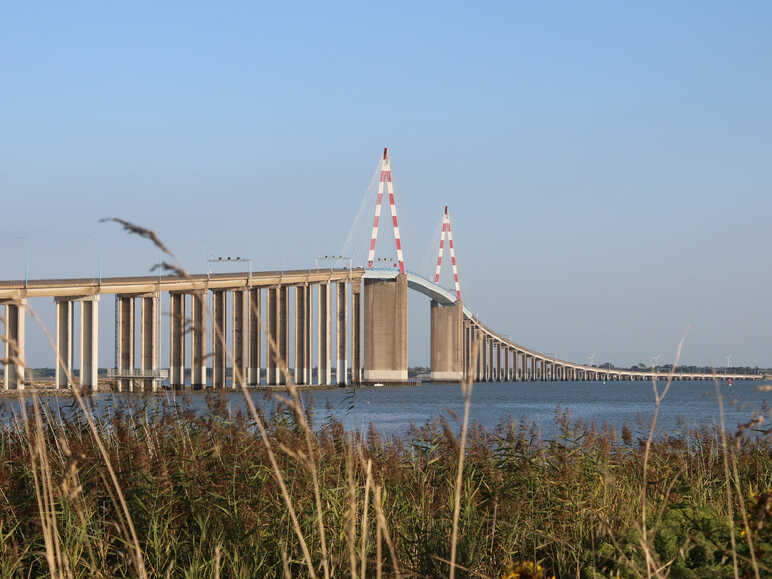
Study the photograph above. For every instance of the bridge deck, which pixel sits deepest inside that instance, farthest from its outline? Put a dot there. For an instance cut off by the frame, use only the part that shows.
(18, 289)
(446, 296)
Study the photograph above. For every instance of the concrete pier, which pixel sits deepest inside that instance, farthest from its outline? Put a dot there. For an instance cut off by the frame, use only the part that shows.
(478, 351)
(64, 349)
(272, 332)
(386, 329)
(447, 342)
(282, 312)
(219, 338)
(177, 339)
(489, 370)
(149, 339)
(253, 371)
(240, 338)
(15, 322)
(515, 365)
(323, 369)
(301, 333)
(89, 343)
(356, 333)
(341, 363)
(125, 355)
(198, 377)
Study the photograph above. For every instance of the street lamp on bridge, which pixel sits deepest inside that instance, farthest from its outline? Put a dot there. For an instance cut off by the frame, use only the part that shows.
(332, 260)
(219, 259)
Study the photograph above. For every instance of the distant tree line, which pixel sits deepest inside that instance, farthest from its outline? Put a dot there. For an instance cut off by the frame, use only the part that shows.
(685, 369)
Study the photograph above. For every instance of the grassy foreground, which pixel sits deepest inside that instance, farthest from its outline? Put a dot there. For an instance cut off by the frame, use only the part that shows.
(203, 499)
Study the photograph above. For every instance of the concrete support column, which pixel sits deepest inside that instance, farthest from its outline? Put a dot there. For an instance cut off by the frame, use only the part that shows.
(480, 341)
(125, 322)
(507, 365)
(198, 377)
(499, 366)
(484, 357)
(177, 340)
(219, 361)
(515, 356)
(386, 329)
(64, 348)
(489, 371)
(478, 350)
(282, 316)
(253, 372)
(271, 342)
(149, 341)
(89, 343)
(15, 314)
(323, 371)
(356, 334)
(300, 335)
(341, 367)
(447, 342)
(239, 341)
(466, 349)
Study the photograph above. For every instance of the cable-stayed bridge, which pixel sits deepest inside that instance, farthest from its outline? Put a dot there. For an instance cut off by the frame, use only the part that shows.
(230, 329)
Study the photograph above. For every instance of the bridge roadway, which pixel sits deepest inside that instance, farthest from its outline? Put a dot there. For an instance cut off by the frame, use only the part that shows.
(521, 363)
(19, 289)
(382, 316)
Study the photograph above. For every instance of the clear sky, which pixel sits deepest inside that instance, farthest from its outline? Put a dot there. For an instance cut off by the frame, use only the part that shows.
(608, 165)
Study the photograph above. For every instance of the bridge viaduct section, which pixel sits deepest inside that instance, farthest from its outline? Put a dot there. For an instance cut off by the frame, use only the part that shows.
(267, 311)
(252, 318)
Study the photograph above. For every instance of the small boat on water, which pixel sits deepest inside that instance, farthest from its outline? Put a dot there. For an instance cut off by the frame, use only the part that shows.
(764, 388)
(378, 385)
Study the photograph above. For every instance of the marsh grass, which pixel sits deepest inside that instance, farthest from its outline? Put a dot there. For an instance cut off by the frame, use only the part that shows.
(203, 498)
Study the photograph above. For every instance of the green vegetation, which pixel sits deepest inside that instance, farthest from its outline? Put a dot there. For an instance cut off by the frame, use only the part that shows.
(204, 499)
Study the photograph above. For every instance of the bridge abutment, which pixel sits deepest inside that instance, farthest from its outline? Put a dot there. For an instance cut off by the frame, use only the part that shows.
(386, 329)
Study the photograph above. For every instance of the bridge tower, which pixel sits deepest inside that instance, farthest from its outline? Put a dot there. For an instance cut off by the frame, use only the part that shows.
(447, 321)
(386, 179)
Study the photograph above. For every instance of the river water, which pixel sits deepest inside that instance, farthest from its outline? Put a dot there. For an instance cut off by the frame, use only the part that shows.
(393, 409)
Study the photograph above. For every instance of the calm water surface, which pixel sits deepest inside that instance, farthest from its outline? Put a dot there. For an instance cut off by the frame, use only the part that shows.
(393, 409)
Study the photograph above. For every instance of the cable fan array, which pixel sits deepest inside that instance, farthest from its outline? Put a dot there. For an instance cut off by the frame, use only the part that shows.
(386, 182)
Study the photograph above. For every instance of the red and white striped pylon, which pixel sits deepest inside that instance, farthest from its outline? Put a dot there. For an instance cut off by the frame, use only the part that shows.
(446, 229)
(386, 178)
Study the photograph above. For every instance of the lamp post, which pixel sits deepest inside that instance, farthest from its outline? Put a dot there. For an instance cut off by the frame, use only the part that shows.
(220, 259)
(333, 259)
(26, 258)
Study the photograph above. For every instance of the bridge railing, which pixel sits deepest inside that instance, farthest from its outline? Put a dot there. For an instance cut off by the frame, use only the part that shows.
(157, 374)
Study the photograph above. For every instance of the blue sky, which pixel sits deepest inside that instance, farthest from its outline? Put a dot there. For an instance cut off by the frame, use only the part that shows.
(607, 164)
